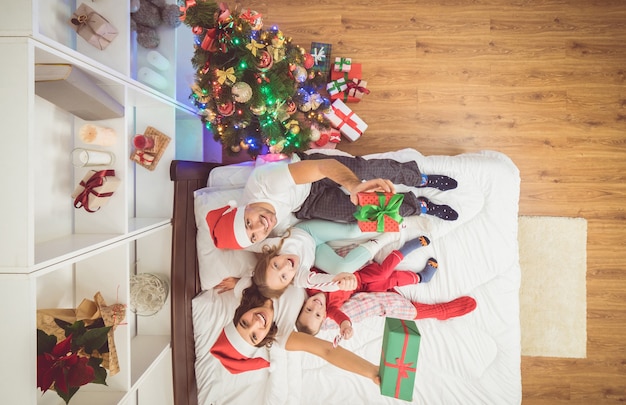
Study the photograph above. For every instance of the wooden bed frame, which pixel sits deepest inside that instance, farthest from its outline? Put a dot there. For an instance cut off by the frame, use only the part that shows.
(185, 282)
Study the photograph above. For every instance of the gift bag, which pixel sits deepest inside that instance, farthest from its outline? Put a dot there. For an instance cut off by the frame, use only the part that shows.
(93, 27)
(379, 212)
(398, 359)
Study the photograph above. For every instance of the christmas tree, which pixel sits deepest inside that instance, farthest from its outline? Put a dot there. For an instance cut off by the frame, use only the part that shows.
(254, 88)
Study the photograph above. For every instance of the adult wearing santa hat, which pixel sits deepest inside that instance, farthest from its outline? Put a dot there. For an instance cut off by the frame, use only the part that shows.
(312, 188)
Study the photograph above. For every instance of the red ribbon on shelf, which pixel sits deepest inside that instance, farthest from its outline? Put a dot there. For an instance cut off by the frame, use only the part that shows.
(403, 368)
(97, 180)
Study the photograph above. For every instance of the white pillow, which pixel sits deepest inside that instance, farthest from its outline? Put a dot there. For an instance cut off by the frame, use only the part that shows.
(217, 264)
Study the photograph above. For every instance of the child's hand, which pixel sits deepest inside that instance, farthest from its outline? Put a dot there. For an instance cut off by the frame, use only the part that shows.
(346, 330)
(227, 284)
(346, 281)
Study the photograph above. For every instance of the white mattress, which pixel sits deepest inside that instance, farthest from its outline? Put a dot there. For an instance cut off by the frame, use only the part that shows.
(474, 359)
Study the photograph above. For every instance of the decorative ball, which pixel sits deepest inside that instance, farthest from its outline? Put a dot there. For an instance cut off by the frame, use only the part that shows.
(265, 60)
(254, 19)
(308, 61)
(148, 293)
(316, 100)
(258, 110)
(226, 109)
(235, 148)
(290, 107)
(241, 92)
(244, 145)
(315, 134)
(294, 129)
(305, 106)
(300, 74)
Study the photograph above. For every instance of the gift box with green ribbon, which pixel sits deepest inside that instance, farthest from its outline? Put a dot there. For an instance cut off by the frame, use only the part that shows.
(398, 359)
(379, 212)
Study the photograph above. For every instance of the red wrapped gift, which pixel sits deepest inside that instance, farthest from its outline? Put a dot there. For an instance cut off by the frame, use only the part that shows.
(94, 190)
(379, 212)
(354, 73)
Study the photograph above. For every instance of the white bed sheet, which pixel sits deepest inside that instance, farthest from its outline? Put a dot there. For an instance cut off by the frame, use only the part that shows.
(474, 359)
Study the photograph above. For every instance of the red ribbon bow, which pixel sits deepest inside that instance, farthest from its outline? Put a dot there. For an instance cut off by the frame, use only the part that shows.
(356, 85)
(345, 119)
(97, 180)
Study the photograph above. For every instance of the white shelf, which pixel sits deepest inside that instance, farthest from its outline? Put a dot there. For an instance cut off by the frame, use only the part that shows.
(53, 255)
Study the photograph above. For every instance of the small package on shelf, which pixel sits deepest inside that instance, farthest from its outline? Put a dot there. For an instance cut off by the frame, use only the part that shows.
(94, 190)
(149, 152)
(92, 27)
(398, 360)
(74, 91)
(379, 212)
(346, 121)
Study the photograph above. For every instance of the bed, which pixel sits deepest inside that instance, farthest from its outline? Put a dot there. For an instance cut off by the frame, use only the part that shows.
(474, 359)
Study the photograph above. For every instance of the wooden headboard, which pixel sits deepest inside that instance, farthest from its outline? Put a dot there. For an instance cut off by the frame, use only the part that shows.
(185, 282)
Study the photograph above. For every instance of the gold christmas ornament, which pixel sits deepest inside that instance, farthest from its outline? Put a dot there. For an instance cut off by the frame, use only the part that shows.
(241, 92)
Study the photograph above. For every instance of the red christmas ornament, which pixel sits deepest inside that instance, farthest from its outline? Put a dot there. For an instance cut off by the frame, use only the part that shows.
(226, 109)
(265, 60)
(308, 61)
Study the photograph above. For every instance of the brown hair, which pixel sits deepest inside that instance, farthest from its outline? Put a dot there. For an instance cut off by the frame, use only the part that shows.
(260, 270)
(300, 327)
(251, 299)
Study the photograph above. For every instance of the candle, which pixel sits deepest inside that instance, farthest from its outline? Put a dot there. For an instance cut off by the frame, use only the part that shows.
(97, 135)
(143, 142)
(88, 157)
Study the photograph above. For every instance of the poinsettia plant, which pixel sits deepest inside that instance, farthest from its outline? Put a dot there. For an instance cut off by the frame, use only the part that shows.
(65, 366)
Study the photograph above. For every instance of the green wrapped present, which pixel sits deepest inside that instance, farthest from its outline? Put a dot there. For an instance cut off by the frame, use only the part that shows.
(401, 344)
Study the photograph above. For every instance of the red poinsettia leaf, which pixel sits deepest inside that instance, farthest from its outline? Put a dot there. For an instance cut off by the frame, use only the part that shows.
(81, 373)
(44, 376)
(60, 381)
(63, 347)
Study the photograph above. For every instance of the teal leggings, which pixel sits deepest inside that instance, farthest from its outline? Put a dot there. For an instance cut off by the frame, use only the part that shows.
(326, 259)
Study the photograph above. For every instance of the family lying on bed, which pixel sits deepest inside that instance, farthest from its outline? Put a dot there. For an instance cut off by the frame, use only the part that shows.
(343, 287)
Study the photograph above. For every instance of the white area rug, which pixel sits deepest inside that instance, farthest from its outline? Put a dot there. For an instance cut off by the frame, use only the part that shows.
(553, 294)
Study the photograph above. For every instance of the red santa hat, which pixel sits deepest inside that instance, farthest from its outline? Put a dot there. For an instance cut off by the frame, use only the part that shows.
(228, 228)
(235, 354)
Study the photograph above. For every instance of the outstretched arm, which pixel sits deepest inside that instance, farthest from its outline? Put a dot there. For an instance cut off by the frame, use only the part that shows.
(308, 171)
(338, 356)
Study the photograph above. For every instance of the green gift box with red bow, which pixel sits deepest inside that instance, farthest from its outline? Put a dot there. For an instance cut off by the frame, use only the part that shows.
(398, 359)
(379, 212)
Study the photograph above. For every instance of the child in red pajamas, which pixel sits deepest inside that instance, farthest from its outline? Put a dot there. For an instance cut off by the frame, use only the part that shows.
(371, 278)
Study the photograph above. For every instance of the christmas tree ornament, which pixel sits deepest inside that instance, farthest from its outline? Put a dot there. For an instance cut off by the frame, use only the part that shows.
(316, 101)
(241, 92)
(264, 61)
(315, 134)
(224, 76)
(258, 110)
(308, 61)
(235, 148)
(290, 107)
(226, 109)
(253, 18)
(300, 74)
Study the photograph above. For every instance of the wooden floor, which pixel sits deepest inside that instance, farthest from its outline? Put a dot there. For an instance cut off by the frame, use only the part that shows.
(543, 81)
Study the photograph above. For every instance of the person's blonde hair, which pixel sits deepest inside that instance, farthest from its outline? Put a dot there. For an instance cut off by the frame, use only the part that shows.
(259, 277)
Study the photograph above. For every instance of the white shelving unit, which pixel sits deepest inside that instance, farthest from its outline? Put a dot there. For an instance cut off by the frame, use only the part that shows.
(53, 255)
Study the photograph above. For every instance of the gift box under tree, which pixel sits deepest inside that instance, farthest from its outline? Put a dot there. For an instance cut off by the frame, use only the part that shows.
(379, 212)
(346, 121)
(321, 57)
(398, 359)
